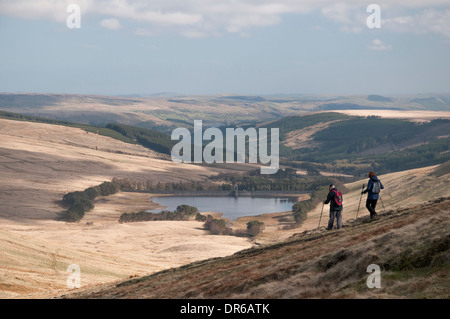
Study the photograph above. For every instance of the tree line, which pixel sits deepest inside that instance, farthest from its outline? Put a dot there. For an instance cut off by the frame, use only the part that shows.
(182, 212)
(215, 226)
(132, 185)
(80, 202)
(155, 140)
(283, 180)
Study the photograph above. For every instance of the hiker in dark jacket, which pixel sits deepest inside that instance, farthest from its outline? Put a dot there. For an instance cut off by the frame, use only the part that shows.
(335, 208)
(373, 195)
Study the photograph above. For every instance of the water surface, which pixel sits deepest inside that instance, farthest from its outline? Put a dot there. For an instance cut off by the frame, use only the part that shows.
(231, 207)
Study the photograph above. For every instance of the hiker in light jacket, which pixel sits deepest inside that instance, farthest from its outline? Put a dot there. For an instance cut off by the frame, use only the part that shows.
(335, 208)
(373, 195)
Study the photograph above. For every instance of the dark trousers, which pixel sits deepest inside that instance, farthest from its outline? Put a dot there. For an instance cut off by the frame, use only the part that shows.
(335, 214)
(371, 204)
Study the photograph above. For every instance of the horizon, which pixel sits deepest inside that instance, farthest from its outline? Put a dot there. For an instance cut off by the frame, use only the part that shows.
(170, 94)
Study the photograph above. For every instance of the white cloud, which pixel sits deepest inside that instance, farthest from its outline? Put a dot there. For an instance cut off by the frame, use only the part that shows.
(112, 24)
(143, 12)
(54, 10)
(210, 18)
(378, 45)
(427, 21)
(338, 12)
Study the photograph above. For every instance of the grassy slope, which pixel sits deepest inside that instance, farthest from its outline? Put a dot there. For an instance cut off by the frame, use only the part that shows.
(37, 268)
(148, 138)
(410, 245)
(88, 128)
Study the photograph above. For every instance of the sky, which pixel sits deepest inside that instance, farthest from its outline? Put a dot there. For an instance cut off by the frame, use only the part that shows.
(249, 47)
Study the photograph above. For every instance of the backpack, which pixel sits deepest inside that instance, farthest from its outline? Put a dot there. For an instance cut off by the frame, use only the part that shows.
(376, 187)
(338, 199)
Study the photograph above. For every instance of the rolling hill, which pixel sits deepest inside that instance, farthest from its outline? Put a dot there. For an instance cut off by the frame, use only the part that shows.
(166, 111)
(357, 144)
(41, 162)
(410, 245)
(42, 159)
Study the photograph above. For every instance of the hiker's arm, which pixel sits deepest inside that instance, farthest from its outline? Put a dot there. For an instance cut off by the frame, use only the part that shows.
(381, 185)
(368, 187)
(328, 198)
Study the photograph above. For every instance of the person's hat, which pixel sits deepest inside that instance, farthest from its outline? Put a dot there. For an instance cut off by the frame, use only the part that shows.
(332, 186)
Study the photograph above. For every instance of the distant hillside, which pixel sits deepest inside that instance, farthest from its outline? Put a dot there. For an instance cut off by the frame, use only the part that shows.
(290, 123)
(442, 169)
(434, 103)
(354, 144)
(379, 98)
(88, 128)
(328, 141)
(157, 141)
(244, 98)
(352, 106)
(310, 139)
(149, 138)
(165, 111)
(46, 100)
(413, 264)
(86, 109)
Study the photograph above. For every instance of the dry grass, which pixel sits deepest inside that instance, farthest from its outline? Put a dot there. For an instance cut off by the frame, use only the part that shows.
(402, 189)
(303, 138)
(38, 164)
(418, 116)
(315, 264)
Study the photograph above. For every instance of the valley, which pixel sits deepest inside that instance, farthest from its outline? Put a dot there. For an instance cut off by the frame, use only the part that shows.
(42, 159)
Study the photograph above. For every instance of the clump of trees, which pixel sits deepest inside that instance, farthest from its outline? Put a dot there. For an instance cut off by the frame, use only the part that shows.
(80, 202)
(219, 227)
(254, 227)
(182, 212)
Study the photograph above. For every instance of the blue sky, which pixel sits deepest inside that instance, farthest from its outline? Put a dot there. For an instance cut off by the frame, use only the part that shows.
(230, 46)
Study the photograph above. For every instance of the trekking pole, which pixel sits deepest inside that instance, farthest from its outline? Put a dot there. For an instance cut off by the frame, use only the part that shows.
(359, 205)
(384, 210)
(323, 204)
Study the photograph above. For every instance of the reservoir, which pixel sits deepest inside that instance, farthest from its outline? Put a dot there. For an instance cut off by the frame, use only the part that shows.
(231, 207)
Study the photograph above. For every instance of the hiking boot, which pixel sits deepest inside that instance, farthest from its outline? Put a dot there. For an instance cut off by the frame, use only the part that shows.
(374, 216)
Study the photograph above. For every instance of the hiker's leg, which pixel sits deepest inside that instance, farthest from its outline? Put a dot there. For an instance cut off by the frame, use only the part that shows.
(331, 220)
(339, 219)
(371, 204)
(374, 204)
